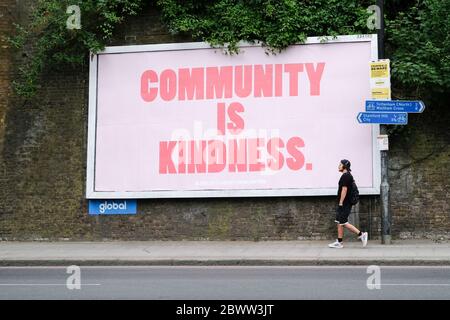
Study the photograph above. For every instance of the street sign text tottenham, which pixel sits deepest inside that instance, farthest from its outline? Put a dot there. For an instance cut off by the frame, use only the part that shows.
(389, 111)
(395, 106)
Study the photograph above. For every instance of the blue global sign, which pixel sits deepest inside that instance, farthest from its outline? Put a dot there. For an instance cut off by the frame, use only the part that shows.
(97, 207)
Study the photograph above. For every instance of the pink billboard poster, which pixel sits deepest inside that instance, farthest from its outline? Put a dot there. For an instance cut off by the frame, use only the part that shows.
(168, 120)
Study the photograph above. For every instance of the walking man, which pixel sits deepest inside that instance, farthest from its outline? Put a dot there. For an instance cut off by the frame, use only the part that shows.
(345, 207)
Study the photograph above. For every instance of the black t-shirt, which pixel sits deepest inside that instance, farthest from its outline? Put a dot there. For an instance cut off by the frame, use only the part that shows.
(345, 181)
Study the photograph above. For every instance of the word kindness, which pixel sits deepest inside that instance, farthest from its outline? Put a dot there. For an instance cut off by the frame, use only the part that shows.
(235, 154)
(230, 81)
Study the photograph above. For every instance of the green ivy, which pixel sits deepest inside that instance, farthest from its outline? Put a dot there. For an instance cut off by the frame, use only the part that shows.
(419, 47)
(420, 40)
(277, 24)
(417, 32)
(53, 44)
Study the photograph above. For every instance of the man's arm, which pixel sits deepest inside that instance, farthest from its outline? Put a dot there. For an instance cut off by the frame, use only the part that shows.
(343, 194)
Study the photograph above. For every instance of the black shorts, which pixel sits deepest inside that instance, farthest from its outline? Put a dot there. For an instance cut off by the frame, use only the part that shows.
(342, 214)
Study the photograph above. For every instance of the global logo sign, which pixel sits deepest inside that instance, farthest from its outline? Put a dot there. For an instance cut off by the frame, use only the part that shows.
(97, 207)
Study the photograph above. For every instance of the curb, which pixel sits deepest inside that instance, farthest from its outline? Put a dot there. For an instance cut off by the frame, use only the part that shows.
(411, 262)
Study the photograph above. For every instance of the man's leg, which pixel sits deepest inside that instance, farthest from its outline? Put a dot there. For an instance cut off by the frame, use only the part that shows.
(361, 235)
(341, 220)
(340, 229)
(338, 243)
(352, 228)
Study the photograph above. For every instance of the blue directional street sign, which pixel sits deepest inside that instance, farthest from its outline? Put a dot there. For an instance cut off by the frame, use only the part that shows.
(395, 106)
(383, 117)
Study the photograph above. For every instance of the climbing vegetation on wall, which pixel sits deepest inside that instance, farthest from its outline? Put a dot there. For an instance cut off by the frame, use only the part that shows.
(63, 32)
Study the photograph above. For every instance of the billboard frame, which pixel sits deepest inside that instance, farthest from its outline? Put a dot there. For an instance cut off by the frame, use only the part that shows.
(211, 193)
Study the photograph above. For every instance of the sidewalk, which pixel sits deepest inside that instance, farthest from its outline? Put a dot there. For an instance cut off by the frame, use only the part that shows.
(223, 253)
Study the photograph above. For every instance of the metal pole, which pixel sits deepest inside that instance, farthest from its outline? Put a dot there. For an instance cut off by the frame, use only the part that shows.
(386, 218)
(384, 188)
(380, 4)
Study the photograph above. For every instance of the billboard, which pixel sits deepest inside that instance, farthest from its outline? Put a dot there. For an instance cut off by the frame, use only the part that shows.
(187, 120)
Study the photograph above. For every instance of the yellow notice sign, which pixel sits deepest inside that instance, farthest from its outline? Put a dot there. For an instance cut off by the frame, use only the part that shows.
(380, 80)
(381, 93)
(379, 69)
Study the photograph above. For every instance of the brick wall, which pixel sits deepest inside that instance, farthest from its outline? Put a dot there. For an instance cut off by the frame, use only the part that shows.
(420, 177)
(7, 16)
(43, 167)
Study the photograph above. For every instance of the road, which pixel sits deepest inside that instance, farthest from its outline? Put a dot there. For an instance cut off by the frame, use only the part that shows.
(231, 283)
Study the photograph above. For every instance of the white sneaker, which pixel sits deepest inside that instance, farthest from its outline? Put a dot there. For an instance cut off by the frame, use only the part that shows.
(363, 238)
(336, 245)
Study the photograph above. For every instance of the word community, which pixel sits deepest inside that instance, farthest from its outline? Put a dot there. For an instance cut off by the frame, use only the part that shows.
(230, 81)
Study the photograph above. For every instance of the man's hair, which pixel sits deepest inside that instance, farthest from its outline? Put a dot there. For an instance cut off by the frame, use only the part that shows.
(346, 164)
